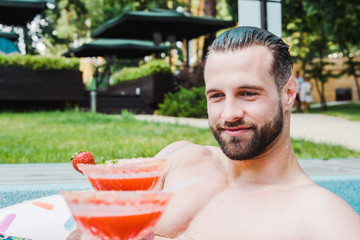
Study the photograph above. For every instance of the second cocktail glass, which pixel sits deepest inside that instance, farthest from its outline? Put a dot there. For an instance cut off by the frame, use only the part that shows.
(116, 215)
(125, 174)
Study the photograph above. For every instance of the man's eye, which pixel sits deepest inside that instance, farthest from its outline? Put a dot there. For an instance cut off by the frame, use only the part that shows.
(216, 95)
(249, 94)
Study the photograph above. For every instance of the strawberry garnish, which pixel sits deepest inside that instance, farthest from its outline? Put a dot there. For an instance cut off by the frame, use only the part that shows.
(82, 157)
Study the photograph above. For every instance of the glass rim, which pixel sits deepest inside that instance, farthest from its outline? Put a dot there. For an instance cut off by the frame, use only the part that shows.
(109, 197)
(136, 164)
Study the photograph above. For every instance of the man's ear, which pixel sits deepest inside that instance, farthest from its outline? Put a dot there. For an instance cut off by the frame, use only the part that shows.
(289, 92)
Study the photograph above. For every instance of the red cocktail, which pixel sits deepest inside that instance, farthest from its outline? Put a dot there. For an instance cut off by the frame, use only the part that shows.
(116, 215)
(126, 174)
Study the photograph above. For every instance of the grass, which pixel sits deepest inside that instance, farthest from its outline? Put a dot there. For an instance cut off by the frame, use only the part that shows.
(348, 111)
(42, 137)
(55, 136)
(309, 150)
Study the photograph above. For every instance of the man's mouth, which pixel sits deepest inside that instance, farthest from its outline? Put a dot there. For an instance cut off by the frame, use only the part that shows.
(235, 131)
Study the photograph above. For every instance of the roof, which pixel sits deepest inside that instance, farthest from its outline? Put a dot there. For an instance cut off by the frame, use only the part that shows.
(19, 12)
(121, 48)
(143, 25)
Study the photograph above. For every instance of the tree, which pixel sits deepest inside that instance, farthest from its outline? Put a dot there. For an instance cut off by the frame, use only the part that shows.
(210, 11)
(310, 36)
(70, 22)
(344, 18)
(319, 45)
(65, 24)
(316, 29)
(232, 9)
(296, 30)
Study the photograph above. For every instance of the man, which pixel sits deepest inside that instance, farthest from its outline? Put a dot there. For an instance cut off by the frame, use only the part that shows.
(299, 81)
(306, 97)
(252, 187)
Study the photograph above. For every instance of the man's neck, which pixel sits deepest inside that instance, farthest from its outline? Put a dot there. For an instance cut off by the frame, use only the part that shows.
(276, 166)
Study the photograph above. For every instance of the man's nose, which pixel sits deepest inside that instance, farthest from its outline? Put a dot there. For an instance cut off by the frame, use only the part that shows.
(232, 111)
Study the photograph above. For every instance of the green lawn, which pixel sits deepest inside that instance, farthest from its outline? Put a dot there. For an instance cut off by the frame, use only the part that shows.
(347, 111)
(55, 136)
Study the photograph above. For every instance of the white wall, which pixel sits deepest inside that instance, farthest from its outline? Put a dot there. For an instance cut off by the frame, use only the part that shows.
(250, 15)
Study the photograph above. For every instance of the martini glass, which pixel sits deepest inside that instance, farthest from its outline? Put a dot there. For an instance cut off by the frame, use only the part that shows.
(116, 215)
(125, 174)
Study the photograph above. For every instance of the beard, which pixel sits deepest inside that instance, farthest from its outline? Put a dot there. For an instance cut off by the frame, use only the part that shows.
(242, 148)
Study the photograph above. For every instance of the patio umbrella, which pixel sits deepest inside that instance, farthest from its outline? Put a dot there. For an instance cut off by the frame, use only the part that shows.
(12, 36)
(8, 47)
(19, 12)
(111, 48)
(159, 25)
(121, 48)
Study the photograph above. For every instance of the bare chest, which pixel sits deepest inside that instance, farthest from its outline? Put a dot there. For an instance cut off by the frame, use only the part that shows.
(230, 215)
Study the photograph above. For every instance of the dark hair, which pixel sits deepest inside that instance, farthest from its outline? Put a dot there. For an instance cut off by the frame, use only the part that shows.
(242, 37)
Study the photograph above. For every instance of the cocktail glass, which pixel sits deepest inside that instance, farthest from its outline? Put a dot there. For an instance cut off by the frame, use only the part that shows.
(125, 174)
(116, 215)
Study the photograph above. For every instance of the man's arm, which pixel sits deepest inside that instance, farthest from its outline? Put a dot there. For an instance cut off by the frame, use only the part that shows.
(166, 152)
(171, 149)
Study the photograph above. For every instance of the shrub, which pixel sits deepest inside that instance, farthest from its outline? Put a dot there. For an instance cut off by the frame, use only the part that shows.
(149, 68)
(39, 62)
(185, 103)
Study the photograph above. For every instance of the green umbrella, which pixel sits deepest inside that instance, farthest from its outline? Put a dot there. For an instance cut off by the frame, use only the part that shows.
(121, 48)
(159, 25)
(19, 12)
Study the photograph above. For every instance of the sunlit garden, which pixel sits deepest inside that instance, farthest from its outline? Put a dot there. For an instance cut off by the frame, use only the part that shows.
(40, 137)
(112, 74)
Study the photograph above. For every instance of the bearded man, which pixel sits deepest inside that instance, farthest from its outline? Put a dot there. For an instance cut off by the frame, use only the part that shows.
(252, 187)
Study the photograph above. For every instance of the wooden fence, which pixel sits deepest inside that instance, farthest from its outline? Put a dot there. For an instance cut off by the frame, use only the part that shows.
(116, 103)
(23, 90)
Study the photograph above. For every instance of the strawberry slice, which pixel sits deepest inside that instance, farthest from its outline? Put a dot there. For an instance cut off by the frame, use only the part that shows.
(82, 157)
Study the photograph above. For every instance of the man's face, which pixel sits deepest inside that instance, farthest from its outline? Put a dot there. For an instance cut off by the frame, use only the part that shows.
(244, 107)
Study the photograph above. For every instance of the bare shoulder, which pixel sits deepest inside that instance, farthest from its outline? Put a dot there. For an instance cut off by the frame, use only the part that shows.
(326, 215)
(185, 151)
(315, 195)
(186, 159)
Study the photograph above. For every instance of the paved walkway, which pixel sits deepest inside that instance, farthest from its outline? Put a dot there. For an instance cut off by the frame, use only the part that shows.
(326, 129)
(314, 127)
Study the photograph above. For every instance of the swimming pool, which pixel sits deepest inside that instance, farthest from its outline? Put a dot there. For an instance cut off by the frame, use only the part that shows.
(13, 194)
(345, 186)
(54, 219)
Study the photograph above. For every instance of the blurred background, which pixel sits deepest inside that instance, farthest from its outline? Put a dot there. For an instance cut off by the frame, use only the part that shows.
(101, 35)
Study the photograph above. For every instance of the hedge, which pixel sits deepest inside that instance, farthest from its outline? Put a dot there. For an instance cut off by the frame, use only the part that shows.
(149, 68)
(35, 62)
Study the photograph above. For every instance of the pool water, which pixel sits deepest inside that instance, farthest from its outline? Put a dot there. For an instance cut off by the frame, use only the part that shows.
(13, 194)
(345, 186)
